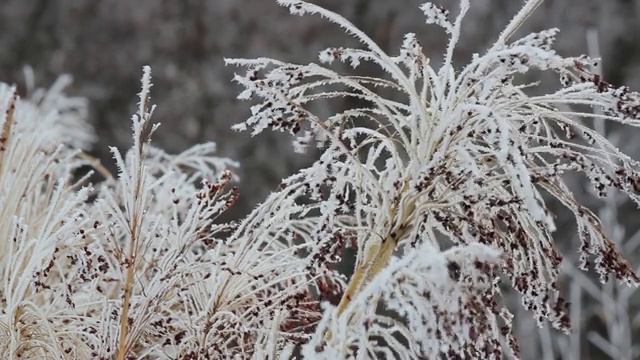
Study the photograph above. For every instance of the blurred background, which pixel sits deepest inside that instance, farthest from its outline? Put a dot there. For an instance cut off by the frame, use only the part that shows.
(103, 44)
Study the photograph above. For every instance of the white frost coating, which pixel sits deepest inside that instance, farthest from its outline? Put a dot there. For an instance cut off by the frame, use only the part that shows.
(434, 179)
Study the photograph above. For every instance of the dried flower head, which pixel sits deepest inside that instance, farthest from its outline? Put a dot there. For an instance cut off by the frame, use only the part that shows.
(448, 172)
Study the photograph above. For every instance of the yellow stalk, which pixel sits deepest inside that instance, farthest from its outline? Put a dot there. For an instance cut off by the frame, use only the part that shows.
(378, 255)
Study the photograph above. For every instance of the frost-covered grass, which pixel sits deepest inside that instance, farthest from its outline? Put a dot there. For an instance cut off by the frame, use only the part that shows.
(438, 186)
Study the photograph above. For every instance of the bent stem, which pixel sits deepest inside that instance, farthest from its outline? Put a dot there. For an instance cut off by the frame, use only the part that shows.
(518, 20)
(377, 259)
(97, 165)
(379, 254)
(6, 127)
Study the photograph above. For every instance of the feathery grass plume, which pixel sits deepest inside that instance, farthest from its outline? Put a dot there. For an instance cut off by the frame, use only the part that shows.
(145, 270)
(173, 281)
(42, 205)
(448, 173)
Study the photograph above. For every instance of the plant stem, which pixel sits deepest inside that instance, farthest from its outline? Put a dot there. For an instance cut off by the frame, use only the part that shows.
(128, 287)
